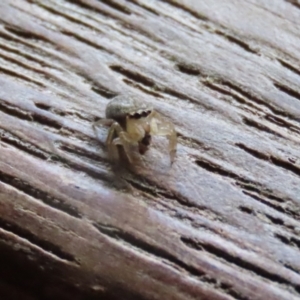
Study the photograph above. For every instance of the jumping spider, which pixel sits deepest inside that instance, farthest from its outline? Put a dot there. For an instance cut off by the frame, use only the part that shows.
(133, 122)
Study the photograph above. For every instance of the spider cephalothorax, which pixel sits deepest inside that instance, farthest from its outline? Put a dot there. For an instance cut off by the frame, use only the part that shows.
(133, 122)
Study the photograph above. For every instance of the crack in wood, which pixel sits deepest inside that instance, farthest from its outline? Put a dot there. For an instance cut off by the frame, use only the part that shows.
(258, 125)
(22, 33)
(143, 6)
(102, 91)
(276, 220)
(86, 41)
(35, 240)
(147, 248)
(266, 199)
(15, 141)
(253, 152)
(110, 14)
(68, 162)
(40, 119)
(65, 113)
(75, 162)
(21, 77)
(141, 88)
(192, 142)
(247, 210)
(46, 120)
(32, 116)
(286, 165)
(255, 190)
(150, 83)
(289, 66)
(240, 181)
(295, 3)
(117, 6)
(25, 187)
(133, 75)
(93, 8)
(287, 90)
(289, 240)
(167, 13)
(155, 191)
(282, 123)
(16, 111)
(255, 187)
(186, 9)
(189, 69)
(250, 122)
(268, 218)
(92, 157)
(164, 197)
(231, 38)
(242, 96)
(241, 44)
(82, 4)
(181, 212)
(78, 135)
(213, 168)
(292, 268)
(30, 57)
(238, 261)
(228, 91)
(30, 49)
(166, 257)
(68, 17)
(17, 62)
(8, 36)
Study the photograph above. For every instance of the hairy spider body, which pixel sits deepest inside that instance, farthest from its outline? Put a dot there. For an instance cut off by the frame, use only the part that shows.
(133, 123)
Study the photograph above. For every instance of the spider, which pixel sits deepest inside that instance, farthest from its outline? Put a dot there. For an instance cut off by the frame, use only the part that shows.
(133, 122)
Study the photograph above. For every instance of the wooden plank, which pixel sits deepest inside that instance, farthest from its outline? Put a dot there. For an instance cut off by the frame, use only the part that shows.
(222, 222)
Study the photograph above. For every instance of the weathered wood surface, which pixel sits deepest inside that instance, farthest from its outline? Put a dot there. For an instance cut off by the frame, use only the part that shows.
(223, 222)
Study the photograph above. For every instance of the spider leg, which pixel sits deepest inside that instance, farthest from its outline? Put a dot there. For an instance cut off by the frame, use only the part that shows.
(111, 146)
(120, 142)
(160, 126)
(123, 140)
(112, 149)
(105, 122)
(102, 122)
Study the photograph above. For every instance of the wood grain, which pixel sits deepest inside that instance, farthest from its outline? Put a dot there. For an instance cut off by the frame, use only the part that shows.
(223, 222)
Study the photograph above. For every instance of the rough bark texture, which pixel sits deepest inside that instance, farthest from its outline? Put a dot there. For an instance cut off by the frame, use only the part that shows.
(223, 222)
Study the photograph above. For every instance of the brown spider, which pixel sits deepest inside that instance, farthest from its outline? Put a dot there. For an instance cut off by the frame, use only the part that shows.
(133, 122)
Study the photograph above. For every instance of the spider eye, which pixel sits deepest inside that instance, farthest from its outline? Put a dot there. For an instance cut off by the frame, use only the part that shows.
(146, 113)
(140, 114)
